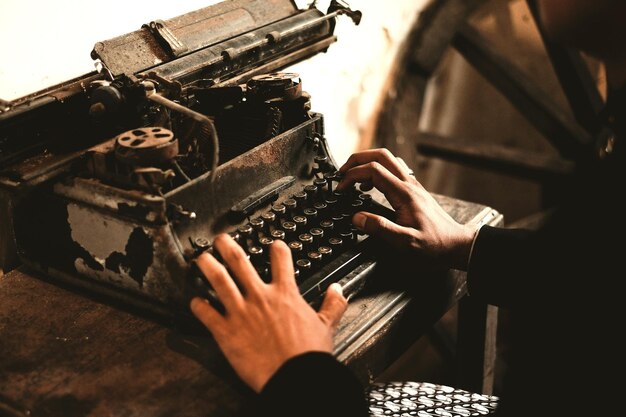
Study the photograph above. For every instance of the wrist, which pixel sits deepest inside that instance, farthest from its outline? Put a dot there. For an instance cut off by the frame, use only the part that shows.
(462, 247)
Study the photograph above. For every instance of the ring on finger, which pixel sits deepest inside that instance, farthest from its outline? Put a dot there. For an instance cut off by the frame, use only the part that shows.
(404, 164)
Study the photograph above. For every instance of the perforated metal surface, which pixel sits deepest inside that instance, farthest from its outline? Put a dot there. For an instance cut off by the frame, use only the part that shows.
(408, 399)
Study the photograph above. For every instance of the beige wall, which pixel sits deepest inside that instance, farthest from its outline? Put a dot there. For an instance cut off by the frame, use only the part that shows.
(347, 83)
(47, 42)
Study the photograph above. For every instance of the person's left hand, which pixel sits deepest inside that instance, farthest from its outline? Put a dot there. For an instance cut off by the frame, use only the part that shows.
(264, 324)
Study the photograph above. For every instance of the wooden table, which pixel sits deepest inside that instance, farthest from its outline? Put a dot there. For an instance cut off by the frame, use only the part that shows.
(66, 353)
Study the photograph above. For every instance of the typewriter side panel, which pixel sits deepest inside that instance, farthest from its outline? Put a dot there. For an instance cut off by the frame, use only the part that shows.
(98, 243)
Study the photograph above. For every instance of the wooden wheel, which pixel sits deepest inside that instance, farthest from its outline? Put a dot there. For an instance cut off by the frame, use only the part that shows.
(573, 134)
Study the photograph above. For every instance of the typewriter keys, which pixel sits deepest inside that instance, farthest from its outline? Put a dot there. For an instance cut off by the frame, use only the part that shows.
(300, 222)
(290, 205)
(269, 217)
(326, 252)
(315, 223)
(278, 234)
(296, 247)
(300, 196)
(304, 266)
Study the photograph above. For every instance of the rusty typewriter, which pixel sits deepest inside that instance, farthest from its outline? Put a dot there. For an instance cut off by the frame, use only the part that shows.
(191, 127)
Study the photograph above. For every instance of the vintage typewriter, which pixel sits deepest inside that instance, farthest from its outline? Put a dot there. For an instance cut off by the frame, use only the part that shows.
(120, 178)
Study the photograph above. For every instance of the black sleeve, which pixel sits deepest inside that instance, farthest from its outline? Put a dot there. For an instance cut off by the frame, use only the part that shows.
(497, 270)
(313, 384)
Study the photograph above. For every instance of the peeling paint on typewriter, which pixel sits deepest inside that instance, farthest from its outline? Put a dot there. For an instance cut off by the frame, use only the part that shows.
(120, 178)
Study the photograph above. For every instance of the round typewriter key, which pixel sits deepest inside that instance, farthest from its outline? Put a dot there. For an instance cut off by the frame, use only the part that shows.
(311, 192)
(317, 234)
(291, 205)
(310, 213)
(265, 243)
(257, 224)
(306, 239)
(326, 252)
(321, 160)
(315, 257)
(335, 243)
(321, 207)
(327, 225)
(357, 205)
(289, 227)
(278, 234)
(300, 196)
(245, 231)
(329, 177)
(256, 255)
(347, 220)
(347, 237)
(304, 265)
(296, 247)
(320, 183)
(202, 243)
(300, 222)
(332, 204)
(339, 221)
(279, 210)
(290, 230)
(268, 217)
(339, 194)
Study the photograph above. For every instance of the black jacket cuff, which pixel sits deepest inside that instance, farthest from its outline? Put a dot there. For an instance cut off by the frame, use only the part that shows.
(313, 384)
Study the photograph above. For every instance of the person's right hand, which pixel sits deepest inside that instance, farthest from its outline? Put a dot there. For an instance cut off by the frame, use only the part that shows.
(423, 227)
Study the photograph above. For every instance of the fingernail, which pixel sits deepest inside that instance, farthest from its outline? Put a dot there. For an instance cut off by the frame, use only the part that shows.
(194, 302)
(359, 220)
(337, 288)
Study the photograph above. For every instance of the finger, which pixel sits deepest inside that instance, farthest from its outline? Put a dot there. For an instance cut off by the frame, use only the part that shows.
(403, 164)
(333, 306)
(236, 259)
(282, 264)
(206, 313)
(382, 227)
(383, 157)
(374, 173)
(409, 171)
(220, 280)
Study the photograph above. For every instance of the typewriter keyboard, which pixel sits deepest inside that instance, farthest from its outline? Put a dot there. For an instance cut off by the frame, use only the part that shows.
(315, 222)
